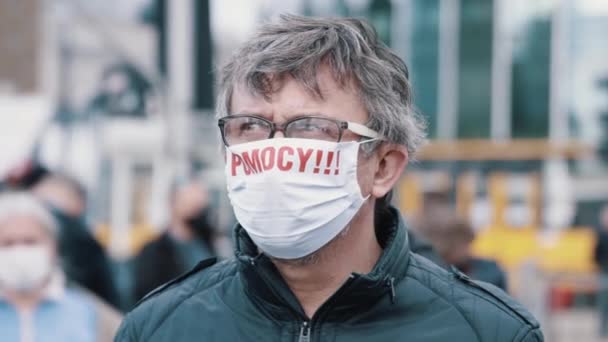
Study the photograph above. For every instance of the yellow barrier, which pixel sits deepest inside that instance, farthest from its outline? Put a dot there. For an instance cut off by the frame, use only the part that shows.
(139, 236)
(410, 195)
(568, 251)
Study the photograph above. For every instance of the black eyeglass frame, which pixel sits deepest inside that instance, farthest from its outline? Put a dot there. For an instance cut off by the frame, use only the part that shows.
(354, 127)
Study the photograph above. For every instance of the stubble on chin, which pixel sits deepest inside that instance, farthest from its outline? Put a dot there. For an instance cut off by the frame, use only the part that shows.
(315, 257)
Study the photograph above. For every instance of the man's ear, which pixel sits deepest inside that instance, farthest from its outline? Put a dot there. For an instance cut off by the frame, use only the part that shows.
(392, 160)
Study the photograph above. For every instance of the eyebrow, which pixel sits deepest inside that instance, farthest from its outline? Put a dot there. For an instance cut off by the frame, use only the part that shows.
(298, 115)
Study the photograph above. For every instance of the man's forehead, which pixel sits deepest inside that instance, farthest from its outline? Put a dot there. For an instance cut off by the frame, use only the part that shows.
(295, 94)
(245, 100)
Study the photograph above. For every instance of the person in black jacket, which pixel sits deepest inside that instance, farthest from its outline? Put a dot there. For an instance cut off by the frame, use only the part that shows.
(601, 259)
(317, 123)
(84, 259)
(187, 240)
(452, 236)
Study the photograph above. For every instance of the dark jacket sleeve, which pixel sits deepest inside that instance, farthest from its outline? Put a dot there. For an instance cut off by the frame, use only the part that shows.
(600, 253)
(84, 260)
(155, 265)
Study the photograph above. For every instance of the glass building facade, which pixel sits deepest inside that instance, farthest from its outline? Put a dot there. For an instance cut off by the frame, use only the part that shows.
(470, 106)
(530, 84)
(529, 73)
(475, 69)
(424, 60)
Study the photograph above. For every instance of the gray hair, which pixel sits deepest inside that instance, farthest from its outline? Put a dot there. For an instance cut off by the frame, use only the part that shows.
(25, 204)
(297, 46)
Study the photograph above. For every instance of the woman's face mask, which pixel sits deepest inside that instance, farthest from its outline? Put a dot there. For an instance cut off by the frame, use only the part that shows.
(27, 254)
(25, 268)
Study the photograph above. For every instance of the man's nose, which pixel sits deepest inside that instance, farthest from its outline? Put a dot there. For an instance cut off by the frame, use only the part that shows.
(279, 131)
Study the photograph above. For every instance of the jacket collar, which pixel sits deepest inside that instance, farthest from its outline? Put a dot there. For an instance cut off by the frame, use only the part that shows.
(267, 288)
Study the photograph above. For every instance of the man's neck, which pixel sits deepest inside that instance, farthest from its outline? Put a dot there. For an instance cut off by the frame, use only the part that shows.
(355, 251)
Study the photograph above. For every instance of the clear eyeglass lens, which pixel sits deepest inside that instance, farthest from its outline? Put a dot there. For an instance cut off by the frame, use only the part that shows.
(238, 130)
(313, 128)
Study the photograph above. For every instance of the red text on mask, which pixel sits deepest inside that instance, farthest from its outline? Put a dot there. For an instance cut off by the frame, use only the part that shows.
(286, 159)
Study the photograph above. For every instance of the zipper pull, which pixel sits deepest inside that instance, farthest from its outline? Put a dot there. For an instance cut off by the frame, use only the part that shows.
(390, 283)
(304, 333)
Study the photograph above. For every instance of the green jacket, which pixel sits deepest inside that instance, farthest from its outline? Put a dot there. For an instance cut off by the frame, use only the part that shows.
(404, 298)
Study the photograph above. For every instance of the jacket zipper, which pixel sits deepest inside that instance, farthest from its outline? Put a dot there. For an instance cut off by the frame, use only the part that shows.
(306, 328)
(304, 332)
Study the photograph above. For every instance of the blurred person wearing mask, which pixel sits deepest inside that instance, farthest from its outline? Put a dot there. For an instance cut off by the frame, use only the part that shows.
(36, 304)
(601, 259)
(84, 259)
(317, 123)
(452, 236)
(187, 240)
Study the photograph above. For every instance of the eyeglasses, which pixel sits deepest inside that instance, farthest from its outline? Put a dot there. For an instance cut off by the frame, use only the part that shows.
(242, 128)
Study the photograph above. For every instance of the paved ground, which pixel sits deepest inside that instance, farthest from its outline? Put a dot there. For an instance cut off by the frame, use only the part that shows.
(581, 325)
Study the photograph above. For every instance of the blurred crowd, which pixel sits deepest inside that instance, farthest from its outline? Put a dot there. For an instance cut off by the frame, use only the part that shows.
(56, 279)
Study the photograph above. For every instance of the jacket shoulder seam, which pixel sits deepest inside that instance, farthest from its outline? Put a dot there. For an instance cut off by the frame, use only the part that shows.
(458, 308)
(202, 265)
(524, 333)
(503, 307)
(177, 305)
(194, 292)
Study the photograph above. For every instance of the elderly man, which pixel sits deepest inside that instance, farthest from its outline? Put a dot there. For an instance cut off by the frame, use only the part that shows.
(318, 125)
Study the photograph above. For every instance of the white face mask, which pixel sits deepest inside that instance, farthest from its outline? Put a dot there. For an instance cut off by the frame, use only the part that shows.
(291, 195)
(24, 268)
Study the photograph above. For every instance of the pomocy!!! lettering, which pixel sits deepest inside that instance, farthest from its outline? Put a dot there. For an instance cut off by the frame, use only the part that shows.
(286, 159)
